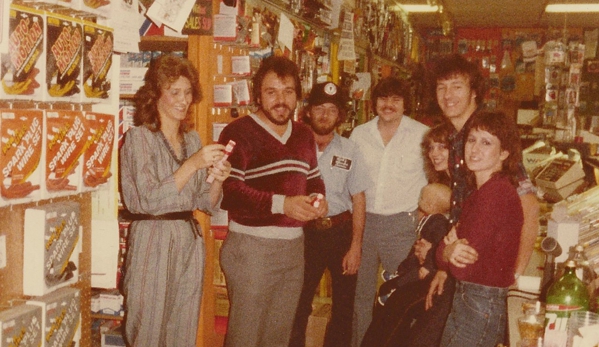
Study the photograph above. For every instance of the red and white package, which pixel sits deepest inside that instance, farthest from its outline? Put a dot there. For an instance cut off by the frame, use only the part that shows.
(22, 139)
(65, 144)
(100, 144)
(228, 150)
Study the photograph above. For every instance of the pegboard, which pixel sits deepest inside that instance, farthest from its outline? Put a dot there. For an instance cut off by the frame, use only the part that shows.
(11, 277)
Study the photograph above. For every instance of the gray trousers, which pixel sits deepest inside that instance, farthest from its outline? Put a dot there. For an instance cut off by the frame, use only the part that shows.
(264, 280)
(387, 241)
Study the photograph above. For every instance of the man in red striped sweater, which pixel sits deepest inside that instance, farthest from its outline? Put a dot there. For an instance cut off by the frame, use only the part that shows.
(268, 196)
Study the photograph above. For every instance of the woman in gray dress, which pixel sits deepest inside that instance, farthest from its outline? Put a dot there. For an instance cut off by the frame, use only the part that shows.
(163, 169)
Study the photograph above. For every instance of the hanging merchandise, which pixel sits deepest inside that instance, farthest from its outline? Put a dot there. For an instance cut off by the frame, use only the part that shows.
(508, 81)
(563, 66)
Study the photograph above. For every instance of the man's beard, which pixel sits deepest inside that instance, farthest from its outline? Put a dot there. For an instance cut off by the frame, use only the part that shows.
(275, 120)
(322, 130)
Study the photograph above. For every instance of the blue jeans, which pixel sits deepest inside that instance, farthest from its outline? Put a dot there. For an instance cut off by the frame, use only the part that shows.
(478, 316)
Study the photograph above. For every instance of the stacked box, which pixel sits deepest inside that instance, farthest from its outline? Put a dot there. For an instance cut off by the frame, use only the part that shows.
(64, 147)
(51, 247)
(98, 155)
(97, 62)
(64, 47)
(24, 65)
(21, 326)
(108, 302)
(21, 136)
(61, 317)
(113, 337)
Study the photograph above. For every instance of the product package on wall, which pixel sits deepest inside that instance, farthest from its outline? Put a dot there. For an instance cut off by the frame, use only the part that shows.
(61, 317)
(97, 156)
(21, 140)
(52, 245)
(21, 326)
(24, 66)
(64, 49)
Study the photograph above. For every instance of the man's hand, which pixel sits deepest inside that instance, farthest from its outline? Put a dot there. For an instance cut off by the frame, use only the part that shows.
(351, 261)
(460, 254)
(300, 208)
(436, 288)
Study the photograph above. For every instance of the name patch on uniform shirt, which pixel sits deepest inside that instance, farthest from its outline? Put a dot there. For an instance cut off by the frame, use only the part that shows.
(340, 162)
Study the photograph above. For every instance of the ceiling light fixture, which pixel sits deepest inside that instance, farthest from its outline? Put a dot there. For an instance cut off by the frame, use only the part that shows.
(418, 8)
(580, 8)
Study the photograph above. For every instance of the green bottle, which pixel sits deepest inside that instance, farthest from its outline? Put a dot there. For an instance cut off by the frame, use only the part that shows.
(568, 294)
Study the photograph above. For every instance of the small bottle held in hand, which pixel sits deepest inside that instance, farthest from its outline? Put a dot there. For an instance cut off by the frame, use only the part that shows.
(317, 200)
(228, 150)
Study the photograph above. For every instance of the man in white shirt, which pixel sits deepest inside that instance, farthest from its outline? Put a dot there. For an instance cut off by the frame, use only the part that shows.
(390, 144)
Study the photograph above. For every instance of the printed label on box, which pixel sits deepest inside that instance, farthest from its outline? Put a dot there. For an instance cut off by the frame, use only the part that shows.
(97, 61)
(61, 317)
(65, 144)
(51, 241)
(21, 326)
(21, 138)
(23, 67)
(98, 155)
(64, 58)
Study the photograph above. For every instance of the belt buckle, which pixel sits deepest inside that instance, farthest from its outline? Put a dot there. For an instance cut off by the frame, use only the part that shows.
(324, 223)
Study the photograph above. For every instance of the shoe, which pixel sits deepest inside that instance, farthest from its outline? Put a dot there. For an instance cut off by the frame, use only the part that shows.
(382, 299)
(386, 275)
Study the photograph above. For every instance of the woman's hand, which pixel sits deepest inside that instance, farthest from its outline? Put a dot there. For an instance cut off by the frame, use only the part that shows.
(207, 156)
(220, 171)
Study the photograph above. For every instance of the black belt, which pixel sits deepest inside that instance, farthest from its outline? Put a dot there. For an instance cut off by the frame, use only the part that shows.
(327, 223)
(183, 215)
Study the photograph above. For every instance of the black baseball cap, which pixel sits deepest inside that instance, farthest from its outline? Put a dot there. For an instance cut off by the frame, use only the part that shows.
(325, 92)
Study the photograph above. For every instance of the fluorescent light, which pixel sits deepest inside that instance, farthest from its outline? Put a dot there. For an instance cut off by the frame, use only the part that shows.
(417, 8)
(572, 8)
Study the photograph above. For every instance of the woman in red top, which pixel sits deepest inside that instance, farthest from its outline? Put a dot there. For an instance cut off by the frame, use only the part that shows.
(481, 251)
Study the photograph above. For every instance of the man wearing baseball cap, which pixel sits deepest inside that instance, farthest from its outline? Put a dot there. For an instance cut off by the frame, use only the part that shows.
(333, 242)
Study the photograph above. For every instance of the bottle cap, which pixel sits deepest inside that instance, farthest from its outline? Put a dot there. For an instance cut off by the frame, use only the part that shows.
(579, 248)
(570, 263)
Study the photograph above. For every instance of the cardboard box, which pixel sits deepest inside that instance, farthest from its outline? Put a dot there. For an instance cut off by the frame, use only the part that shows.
(109, 302)
(97, 62)
(65, 144)
(52, 245)
(21, 326)
(97, 158)
(24, 66)
(317, 325)
(61, 317)
(64, 58)
(20, 159)
(113, 337)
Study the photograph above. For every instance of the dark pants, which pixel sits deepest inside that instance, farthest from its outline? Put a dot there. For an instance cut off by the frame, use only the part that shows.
(326, 249)
(403, 321)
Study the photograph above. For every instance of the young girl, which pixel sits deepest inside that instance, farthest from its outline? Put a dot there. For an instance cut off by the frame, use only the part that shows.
(481, 252)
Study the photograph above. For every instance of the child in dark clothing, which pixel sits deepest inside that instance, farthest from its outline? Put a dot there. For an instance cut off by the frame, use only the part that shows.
(401, 298)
